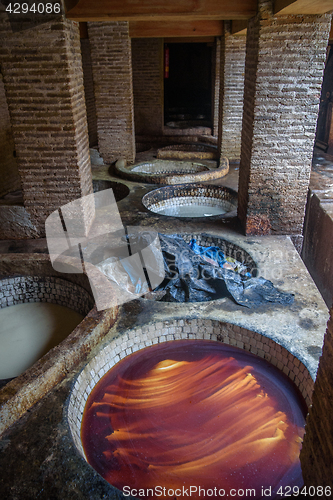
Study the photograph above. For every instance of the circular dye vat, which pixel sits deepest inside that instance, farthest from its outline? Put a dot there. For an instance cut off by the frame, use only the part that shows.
(28, 331)
(190, 210)
(171, 172)
(179, 285)
(191, 201)
(36, 314)
(168, 167)
(194, 414)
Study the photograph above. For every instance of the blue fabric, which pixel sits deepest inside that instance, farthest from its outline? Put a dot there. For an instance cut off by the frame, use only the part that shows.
(214, 253)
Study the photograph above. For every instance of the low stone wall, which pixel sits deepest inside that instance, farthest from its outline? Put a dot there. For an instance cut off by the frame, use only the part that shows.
(317, 252)
(317, 451)
(16, 223)
(188, 151)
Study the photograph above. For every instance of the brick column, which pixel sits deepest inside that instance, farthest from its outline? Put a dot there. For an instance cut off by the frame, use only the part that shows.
(42, 73)
(216, 85)
(112, 73)
(148, 88)
(317, 450)
(285, 59)
(231, 93)
(9, 176)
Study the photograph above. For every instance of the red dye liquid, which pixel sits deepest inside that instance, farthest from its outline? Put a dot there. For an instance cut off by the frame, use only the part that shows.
(194, 413)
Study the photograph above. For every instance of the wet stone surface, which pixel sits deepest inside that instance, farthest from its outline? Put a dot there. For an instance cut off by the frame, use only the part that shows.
(40, 452)
(38, 459)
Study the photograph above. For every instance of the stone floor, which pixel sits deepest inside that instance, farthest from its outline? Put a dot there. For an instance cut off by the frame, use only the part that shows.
(38, 458)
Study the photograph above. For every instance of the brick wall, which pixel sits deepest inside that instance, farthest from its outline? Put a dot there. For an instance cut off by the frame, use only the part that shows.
(112, 72)
(317, 451)
(216, 67)
(89, 91)
(148, 90)
(285, 59)
(9, 176)
(231, 93)
(42, 72)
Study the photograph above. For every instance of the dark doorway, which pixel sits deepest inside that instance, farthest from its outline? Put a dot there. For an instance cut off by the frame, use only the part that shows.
(188, 86)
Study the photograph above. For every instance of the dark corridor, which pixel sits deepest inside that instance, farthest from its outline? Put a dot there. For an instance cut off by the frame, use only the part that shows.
(188, 85)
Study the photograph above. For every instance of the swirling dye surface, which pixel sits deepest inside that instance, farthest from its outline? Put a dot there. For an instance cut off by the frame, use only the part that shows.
(194, 413)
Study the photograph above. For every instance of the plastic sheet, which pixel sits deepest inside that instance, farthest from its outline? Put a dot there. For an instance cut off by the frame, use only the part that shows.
(135, 265)
(199, 275)
(125, 274)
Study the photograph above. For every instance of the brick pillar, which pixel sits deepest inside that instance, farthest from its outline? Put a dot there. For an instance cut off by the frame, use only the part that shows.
(285, 59)
(231, 93)
(216, 85)
(42, 73)
(317, 450)
(9, 176)
(112, 73)
(148, 88)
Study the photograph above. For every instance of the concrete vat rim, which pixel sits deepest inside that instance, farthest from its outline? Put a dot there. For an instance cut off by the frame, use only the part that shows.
(169, 331)
(175, 195)
(126, 172)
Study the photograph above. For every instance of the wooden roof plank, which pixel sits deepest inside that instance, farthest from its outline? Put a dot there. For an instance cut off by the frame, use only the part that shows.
(294, 7)
(170, 29)
(159, 10)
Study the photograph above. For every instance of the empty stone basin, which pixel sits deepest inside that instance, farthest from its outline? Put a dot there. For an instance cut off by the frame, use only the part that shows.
(36, 314)
(168, 167)
(245, 412)
(191, 201)
(120, 190)
(170, 172)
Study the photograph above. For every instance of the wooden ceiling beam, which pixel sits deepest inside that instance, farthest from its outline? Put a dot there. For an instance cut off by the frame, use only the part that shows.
(294, 7)
(192, 39)
(159, 10)
(170, 29)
